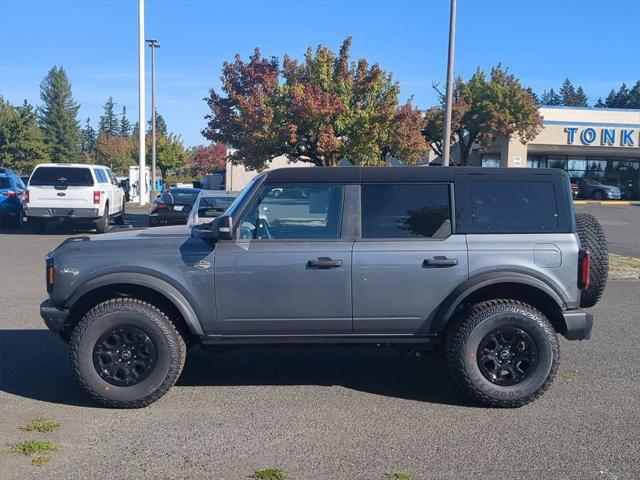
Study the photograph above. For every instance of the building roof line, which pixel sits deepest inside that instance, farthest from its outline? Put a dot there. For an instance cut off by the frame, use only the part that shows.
(590, 124)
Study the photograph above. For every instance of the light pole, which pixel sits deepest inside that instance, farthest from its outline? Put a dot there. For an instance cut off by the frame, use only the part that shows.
(153, 44)
(447, 116)
(142, 183)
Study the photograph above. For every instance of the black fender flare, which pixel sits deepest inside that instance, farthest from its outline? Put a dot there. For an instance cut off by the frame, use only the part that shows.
(144, 280)
(448, 307)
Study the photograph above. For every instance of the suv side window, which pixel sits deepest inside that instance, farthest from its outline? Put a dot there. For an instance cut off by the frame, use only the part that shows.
(498, 206)
(295, 211)
(406, 210)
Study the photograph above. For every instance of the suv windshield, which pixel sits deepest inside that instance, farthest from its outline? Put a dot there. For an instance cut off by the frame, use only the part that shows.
(179, 196)
(71, 176)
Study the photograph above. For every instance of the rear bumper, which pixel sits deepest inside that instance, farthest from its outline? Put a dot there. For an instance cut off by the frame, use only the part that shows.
(53, 213)
(54, 317)
(578, 325)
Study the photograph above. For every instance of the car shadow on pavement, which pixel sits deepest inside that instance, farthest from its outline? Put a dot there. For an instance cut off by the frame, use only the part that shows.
(34, 364)
(137, 219)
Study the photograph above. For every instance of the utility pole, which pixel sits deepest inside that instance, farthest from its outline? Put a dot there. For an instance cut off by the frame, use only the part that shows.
(153, 44)
(447, 116)
(142, 181)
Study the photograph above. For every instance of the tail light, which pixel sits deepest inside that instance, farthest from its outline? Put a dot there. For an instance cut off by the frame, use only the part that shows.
(10, 194)
(96, 197)
(25, 196)
(584, 266)
(50, 275)
(162, 206)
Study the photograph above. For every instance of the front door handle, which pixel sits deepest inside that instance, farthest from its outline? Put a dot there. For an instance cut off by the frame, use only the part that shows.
(439, 262)
(324, 263)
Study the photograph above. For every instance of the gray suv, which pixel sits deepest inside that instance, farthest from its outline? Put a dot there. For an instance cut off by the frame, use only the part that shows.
(485, 265)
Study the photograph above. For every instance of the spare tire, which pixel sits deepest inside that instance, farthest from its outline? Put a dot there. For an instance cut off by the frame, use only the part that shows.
(593, 239)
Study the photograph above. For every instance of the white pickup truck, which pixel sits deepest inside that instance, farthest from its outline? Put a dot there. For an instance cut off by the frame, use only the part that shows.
(73, 192)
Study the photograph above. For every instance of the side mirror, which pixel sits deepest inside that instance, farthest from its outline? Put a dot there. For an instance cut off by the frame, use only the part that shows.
(219, 229)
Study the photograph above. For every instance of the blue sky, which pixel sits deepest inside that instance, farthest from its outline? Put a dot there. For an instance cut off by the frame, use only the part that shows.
(595, 43)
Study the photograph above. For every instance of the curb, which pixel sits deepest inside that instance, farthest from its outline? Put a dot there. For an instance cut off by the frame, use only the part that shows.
(606, 202)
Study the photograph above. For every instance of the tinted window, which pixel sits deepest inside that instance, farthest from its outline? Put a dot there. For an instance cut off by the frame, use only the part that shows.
(79, 177)
(300, 211)
(513, 206)
(405, 211)
(101, 176)
(5, 183)
(179, 196)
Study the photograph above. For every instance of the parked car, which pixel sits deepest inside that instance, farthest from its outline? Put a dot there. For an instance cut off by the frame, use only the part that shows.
(208, 205)
(11, 192)
(73, 193)
(591, 188)
(487, 264)
(173, 206)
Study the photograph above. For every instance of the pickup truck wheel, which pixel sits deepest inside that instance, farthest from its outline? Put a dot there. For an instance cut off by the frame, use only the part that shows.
(102, 224)
(503, 353)
(593, 239)
(120, 218)
(126, 353)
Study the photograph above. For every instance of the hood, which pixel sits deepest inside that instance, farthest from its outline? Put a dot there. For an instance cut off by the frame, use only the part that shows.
(155, 233)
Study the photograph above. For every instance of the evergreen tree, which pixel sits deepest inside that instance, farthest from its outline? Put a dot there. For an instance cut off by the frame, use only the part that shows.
(550, 98)
(634, 96)
(161, 126)
(610, 101)
(125, 126)
(568, 93)
(21, 140)
(581, 98)
(135, 131)
(619, 99)
(58, 117)
(88, 142)
(600, 104)
(533, 95)
(109, 125)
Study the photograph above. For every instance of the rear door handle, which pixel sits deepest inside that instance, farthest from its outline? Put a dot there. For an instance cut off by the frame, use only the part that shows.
(324, 263)
(439, 262)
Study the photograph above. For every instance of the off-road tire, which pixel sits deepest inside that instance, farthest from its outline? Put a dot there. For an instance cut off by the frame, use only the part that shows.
(169, 345)
(470, 327)
(593, 239)
(119, 220)
(102, 224)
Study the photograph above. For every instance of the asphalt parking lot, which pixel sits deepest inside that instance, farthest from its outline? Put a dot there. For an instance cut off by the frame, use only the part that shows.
(621, 224)
(318, 413)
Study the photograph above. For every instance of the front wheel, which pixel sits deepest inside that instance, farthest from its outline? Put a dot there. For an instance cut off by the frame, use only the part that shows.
(126, 353)
(503, 353)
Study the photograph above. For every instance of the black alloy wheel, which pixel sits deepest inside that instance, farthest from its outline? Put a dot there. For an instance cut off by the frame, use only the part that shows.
(507, 356)
(124, 356)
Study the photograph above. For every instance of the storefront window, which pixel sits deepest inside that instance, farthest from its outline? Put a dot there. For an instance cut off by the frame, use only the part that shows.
(534, 161)
(557, 162)
(490, 160)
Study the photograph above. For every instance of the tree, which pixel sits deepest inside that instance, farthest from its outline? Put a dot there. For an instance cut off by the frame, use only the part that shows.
(482, 110)
(109, 125)
(170, 153)
(624, 98)
(550, 98)
(58, 117)
(208, 159)
(22, 144)
(161, 126)
(533, 95)
(581, 99)
(321, 110)
(568, 93)
(600, 104)
(116, 152)
(88, 142)
(634, 96)
(125, 125)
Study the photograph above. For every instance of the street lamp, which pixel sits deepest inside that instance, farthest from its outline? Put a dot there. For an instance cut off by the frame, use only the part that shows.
(447, 116)
(142, 181)
(153, 44)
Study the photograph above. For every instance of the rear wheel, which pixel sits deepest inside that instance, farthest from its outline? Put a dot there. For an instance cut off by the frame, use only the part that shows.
(503, 353)
(102, 224)
(126, 353)
(592, 238)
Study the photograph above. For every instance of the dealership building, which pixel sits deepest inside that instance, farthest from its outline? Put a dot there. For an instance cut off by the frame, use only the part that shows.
(601, 145)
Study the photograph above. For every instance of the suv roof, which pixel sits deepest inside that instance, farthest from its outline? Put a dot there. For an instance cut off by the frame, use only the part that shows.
(397, 174)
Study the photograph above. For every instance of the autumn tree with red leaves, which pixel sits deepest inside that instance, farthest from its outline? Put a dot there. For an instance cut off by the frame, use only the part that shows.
(483, 109)
(322, 110)
(208, 159)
